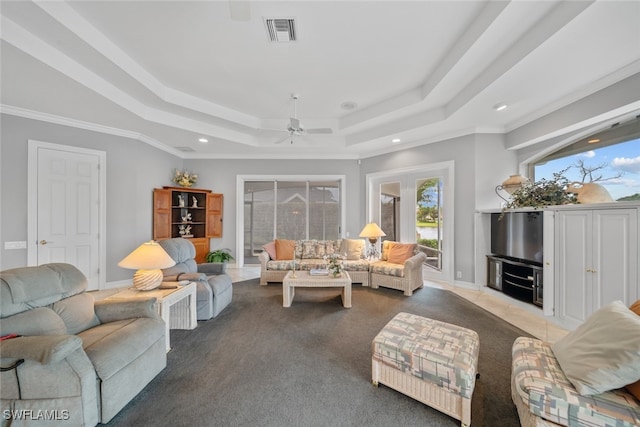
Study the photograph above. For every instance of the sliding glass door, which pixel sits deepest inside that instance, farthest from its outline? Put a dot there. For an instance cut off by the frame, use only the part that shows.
(288, 208)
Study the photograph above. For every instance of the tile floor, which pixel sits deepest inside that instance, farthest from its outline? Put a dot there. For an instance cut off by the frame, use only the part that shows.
(525, 316)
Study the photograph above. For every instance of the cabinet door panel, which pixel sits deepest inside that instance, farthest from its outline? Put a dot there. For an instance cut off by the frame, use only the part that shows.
(614, 263)
(161, 214)
(573, 254)
(214, 215)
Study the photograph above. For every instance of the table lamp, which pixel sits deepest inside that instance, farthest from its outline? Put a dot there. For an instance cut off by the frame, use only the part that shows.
(148, 259)
(372, 232)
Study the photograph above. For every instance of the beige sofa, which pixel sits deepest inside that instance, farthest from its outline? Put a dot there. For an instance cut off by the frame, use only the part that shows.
(391, 272)
(79, 359)
(309, 254)
(404, 274)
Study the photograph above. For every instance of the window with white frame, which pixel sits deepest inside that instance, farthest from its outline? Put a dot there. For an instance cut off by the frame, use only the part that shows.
(290, 210)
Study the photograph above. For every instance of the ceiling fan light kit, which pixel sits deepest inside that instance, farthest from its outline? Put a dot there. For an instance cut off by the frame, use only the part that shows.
(295, 126)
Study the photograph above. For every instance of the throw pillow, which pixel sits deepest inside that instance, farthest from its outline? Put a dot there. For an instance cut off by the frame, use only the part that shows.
(385, 250)
(400, 252)
(285, 249)
(635, 387)
(270, 248)
(603, 353)
(354, 248)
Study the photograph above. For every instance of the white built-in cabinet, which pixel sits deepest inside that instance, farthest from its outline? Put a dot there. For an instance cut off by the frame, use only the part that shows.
(596, 260)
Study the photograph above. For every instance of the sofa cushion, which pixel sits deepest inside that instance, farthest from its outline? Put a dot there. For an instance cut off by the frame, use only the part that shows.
(76, 312)
(332, 246)
(284, 249)
(355, 265)
(313, 249)
(540, 383)
(112, 346)
(310, 264)
(38, 321)
(270, 248)
(352, 248)
(400, 252)
(387, 268)
(283, 265)
(604, 352)
(385, 250)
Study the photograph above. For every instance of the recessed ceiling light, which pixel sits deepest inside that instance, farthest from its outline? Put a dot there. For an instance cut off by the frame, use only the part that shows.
(593, 141)
(203, 140)
(349, 105)
(395, 140)
(500, 107)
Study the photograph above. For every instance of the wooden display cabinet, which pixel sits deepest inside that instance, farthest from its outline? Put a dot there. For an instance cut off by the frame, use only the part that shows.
(190, 213)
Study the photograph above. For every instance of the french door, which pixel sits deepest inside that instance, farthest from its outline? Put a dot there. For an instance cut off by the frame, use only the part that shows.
(416, 206)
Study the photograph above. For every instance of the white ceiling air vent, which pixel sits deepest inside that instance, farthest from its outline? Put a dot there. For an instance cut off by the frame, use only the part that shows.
(185, 149)
(281, 29)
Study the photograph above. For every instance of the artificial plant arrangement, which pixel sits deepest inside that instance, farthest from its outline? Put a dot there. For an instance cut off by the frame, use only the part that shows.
(543, 193)
(334, 263)
(184, 178)
(219, 255)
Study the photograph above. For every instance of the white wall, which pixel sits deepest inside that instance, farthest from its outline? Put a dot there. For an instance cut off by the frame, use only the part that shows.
(462, 152)
(220, 177)
(133, 170)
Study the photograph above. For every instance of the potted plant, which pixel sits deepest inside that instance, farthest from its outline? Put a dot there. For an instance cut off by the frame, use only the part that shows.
(220, 256)
(543, 193)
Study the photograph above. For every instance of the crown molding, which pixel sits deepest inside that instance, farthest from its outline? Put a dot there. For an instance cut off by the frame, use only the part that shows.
(79, 124)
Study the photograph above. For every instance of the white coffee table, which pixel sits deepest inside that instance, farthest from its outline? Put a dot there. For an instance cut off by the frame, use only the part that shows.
(177, 307)
(305, 280)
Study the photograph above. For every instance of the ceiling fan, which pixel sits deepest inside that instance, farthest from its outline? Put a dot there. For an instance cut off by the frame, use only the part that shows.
(295, 127)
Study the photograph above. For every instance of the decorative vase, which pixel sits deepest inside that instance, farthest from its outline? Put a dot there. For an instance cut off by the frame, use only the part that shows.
(511, 184)
(590, 192)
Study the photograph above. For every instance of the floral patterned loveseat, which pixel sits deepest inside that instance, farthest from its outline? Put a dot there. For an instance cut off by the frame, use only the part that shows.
(591, 377)
(309, 254)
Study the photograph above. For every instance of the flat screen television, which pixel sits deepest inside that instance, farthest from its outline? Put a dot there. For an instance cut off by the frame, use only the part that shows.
(517, 235)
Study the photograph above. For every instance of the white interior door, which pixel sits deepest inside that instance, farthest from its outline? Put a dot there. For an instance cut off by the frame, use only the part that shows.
(68, 214)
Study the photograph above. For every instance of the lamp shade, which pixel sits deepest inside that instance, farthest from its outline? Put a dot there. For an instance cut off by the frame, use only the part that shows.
(372, 230)
(148, 256)
(148, 259)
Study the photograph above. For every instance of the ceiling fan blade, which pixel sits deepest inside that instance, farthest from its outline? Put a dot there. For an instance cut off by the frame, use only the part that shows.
(319, 130)
(240, 10)
(286, 138)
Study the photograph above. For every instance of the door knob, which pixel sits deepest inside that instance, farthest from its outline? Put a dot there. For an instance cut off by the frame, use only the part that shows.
(44, 242)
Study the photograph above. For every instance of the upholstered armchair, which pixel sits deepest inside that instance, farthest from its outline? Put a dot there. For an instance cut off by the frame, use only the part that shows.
(79, 359)
(399, 267)
(214, 289)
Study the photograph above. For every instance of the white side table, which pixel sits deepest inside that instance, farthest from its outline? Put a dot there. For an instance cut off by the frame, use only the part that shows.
(177, 307)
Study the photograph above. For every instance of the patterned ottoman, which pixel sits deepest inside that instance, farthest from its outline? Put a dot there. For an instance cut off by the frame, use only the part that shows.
(431, 361)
